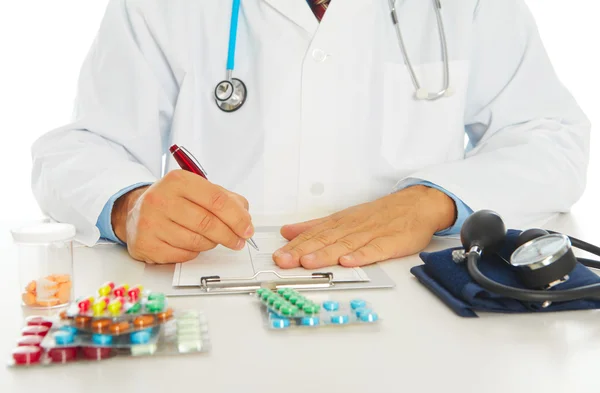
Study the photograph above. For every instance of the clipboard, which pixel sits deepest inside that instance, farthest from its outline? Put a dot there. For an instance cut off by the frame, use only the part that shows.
(159, 278)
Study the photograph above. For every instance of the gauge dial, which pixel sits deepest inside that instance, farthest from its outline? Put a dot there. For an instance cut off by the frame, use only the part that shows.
(542, 251)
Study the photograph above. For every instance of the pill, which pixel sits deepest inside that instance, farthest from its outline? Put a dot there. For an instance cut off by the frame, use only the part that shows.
(362, 311)
(155, 306)
(339, 319)
(101, 325)
(51, 302)
(102, 339)
(272, 299)
(71, 329)
(189, 346)
(368, 317)
(357, 303)
(163, 316)
(266, 295)
(104, 290)
(260, 291)
(287, 295)
(98, 308)
(119, 299)
(84, 305)
(278, 303)
(135, 308)
(34, 341)
(309, 321)
(109, 284)
(281, 291)
(331, 305)
(62, 355)
(64, 293)
(300, 302)
(97, 353)
(141, 337)
(114, 308)
(157, 296)
(134, 294)
(27, 354)
(119, 327)
(143, 321)
(311, 308)
(38, 321)
(63, 337)
(82, 320)
(31, 287)
(119, 292)
(280, 323)
(35, 331)
(143, 349)
(293, 299)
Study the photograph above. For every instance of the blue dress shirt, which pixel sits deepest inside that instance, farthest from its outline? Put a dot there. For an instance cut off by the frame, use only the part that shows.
(463, 211)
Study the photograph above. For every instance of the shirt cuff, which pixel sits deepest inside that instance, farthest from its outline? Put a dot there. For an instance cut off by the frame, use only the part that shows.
(462, 209)
(104, 223)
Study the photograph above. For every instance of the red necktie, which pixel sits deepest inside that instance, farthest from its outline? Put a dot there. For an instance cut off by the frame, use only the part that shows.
(318, 7)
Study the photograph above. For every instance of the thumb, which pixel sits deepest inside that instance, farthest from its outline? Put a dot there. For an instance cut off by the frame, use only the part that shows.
(290, 231)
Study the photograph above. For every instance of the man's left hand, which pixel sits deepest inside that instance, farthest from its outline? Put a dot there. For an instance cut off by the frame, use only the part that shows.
(394, 226)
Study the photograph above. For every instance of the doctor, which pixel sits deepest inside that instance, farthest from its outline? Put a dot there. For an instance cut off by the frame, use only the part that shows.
(348, 120)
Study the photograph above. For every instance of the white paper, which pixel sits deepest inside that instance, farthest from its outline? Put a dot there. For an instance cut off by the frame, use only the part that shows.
(246, 263)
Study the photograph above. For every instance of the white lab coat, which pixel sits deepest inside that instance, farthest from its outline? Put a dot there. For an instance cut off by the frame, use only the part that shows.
(330, 119)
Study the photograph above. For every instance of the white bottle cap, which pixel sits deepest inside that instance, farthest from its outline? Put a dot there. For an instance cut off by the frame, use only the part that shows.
(44, 233)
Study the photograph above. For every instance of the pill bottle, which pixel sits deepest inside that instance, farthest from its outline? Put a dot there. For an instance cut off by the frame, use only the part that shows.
(45, 258)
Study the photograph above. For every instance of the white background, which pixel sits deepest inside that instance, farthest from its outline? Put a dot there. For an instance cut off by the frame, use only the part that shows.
(44, 42)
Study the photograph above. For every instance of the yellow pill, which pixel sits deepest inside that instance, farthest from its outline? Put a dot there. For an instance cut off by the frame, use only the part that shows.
(126, 286)
(114, 307)
(104, 291)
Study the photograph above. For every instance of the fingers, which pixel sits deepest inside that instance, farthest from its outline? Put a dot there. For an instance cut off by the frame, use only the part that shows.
(215, 199)
(330, 255)
(160, 252)
(306, 242)
(203, 223)
(290, 232)
(377, 250)
(182, 238)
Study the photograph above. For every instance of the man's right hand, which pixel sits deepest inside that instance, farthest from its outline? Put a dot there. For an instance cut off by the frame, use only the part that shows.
(180, 216)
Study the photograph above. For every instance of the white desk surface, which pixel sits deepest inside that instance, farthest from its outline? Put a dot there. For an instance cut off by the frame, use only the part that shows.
(422, 346)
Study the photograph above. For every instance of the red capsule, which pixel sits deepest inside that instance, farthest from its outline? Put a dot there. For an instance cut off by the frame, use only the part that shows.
(38, 321)
(30, 341)
(119, 292)
(62, 355)
(27, 354)
(35, 331)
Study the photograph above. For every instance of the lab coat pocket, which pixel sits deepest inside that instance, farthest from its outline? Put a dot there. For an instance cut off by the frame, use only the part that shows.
(420, 133)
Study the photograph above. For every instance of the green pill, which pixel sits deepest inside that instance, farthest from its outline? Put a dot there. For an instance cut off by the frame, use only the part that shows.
(278, 303)
(155, 305)
(260, 291)
(287, 295)
(311, 308)
(288, 310)
(300, 302)
(272, 298)
(135, 308)
(293, 299)
(281, 291)
(157, 296)
(266, 295)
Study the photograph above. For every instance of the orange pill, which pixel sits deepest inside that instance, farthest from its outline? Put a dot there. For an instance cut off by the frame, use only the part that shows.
(60, 278)
(64, 293)
(28, 298)
(63, 315)
(100, 325)
(82, 320)
(120, 327)
(48, 302)
(144, 321)
(163, 316)
(31, 287)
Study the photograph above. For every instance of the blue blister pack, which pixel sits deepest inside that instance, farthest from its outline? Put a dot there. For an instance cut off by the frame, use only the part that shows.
(287, 308)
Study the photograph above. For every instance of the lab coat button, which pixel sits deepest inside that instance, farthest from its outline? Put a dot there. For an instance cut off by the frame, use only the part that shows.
(319, 55)
(317, 189)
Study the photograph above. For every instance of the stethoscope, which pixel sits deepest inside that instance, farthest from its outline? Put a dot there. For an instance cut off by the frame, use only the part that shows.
(231, 93)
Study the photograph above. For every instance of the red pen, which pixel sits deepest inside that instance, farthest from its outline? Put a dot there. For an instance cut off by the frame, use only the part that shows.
(188, 162)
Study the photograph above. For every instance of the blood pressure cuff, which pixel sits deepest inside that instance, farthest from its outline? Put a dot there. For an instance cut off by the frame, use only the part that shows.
(451, 282)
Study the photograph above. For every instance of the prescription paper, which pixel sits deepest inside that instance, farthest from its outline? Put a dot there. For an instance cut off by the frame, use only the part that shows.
(248, 262)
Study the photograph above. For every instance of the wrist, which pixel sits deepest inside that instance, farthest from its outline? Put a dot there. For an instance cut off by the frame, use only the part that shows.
(442, 207)
(121, 208)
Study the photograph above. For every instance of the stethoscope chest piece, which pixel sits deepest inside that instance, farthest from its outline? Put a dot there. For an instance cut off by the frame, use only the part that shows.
(230, 95)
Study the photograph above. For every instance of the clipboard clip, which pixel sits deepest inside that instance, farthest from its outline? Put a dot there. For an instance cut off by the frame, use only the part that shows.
(249, 284)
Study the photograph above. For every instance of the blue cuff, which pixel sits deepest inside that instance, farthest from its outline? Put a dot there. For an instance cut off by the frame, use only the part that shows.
(462, 210)
(104, 223)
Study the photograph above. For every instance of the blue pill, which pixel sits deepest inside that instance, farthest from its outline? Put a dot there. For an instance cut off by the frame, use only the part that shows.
(339, 319)
(331, 305)
(362, 311)
(368, 317)
(357, 303)
(141, 337)
(280, 323)
(63, 337)
(70, 329)
(309, 321)
(102, 339)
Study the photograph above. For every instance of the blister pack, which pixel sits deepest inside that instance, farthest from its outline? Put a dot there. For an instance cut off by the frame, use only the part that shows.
(286, 308)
